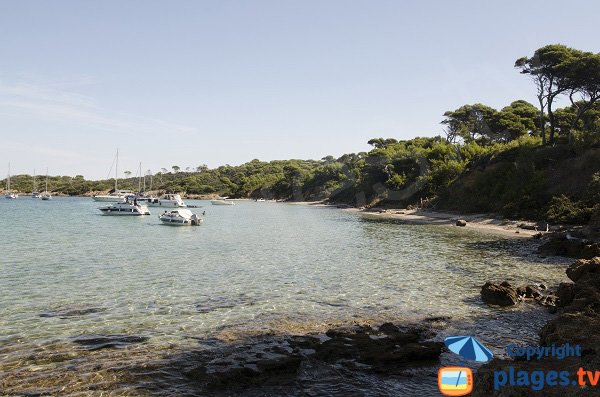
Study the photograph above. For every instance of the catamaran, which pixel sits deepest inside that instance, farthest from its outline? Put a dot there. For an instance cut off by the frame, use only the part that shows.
(117, 195)
(9, 194)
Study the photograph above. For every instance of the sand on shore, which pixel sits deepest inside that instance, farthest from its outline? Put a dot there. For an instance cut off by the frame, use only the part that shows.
(484, 223)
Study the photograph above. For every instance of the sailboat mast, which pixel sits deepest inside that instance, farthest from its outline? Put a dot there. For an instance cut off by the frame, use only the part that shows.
(8, 179)
(116, 170)
(34, 189)
(140, 178)
(46, 179)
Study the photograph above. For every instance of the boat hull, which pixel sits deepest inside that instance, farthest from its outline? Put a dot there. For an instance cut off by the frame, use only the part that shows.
(108, 199)
(123, 209)
(221, 202)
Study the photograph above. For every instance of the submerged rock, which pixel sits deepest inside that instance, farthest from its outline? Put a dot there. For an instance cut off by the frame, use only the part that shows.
(386, 349)
(72, 311)
(97, 342)
(563, 244)
(273, 363)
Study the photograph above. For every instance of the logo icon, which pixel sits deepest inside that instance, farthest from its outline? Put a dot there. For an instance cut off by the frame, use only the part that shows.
(458, 381)
(455, 381)
(468, 348)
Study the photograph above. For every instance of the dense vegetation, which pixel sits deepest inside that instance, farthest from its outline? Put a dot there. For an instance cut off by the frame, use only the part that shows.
(520, 161)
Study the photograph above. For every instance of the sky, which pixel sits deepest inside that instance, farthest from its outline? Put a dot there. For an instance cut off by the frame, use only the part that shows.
(223, 82)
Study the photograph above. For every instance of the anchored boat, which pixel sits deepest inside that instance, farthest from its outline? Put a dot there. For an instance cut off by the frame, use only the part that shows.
(166, 200)
(9, 194)
(117, 195)
(125, 208)
(180, 217)
(222, 201)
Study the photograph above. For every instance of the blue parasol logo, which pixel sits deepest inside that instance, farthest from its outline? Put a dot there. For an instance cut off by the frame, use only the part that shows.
(468, 348)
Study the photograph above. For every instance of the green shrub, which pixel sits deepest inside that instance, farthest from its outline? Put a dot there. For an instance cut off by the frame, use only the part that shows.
(562, 210)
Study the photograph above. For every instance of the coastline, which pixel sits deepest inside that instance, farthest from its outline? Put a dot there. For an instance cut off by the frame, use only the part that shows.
(483, 223)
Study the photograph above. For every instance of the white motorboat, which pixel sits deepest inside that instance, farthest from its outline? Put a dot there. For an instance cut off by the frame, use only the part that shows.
(115, 197)
(180, 217)
(9, 194)
(166, 200)
(222, 201)
(125, 208)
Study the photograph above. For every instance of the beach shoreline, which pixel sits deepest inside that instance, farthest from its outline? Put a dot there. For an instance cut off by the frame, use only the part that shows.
(483, 223)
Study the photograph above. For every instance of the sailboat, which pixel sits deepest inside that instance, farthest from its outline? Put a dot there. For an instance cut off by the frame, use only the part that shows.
(46, 195)
(116, 195)
(9, 194)
(34, 192)
(166, 200)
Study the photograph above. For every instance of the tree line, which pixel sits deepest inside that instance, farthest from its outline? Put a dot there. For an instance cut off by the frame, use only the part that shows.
(513, 150)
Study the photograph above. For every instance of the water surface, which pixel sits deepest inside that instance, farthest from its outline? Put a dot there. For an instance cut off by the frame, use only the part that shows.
(67, 271)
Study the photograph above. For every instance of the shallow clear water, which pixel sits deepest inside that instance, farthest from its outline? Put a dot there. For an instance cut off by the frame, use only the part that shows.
(251, 267)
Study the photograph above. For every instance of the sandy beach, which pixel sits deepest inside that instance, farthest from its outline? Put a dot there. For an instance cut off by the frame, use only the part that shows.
(484, 223)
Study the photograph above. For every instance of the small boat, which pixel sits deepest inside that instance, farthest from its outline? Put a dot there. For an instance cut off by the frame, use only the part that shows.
(180, 217)
(117, 195)
(261, 200)
(222, 201)
(34, 192)
(9, 194)
(46, 196)
(125, 208)
(114, 197)
(166, 200)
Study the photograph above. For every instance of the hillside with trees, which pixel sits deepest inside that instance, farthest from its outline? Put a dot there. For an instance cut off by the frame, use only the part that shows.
(526, 160)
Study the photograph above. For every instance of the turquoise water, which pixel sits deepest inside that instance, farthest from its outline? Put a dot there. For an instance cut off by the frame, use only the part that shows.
(67, 271)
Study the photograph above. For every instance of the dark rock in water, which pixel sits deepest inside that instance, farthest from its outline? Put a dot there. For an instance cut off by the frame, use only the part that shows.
(532, 291)
(268, 364)
(502, 295)
(566, 293)
(385, 350)
(578, 323)
(97, 342)
(461, 222)
(584, 268)
(564, 245)
(72, 311)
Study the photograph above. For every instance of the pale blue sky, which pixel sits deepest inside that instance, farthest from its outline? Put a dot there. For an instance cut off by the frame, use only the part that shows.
(191, 82)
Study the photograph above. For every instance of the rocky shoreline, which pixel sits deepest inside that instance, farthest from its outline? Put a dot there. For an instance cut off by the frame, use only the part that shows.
(578, 322)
